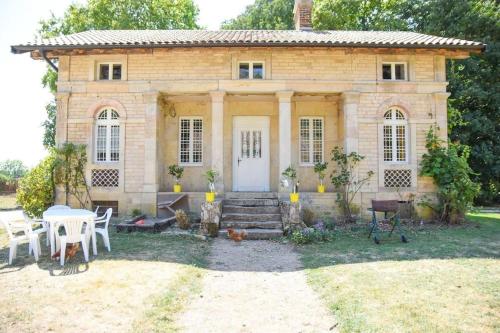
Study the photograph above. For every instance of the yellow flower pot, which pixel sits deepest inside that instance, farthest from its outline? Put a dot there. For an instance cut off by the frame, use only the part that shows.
(321, 188)
(177, 188)
(210, 196)
(294, 197)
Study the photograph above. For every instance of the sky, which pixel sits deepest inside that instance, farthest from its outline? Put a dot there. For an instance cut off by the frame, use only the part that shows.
(23, 99)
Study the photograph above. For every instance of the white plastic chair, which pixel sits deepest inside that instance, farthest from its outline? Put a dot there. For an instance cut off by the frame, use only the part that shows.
(14, 224)
(74, 234)
(44, 228)
(103, 229)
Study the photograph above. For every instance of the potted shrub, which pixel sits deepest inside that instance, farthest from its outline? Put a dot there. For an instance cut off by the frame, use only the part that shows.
(291, 174)
(176, 171)
(320, 170)
(210, 175)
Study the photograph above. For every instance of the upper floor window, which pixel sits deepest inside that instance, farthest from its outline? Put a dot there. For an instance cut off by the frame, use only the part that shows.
(107, 139)
(395, 71)
(109, 71)
(191, 141)
(311, 140)
(251, 70)
(395, 136)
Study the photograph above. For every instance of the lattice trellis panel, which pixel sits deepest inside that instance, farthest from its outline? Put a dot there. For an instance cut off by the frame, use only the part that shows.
(105, 178)
(397, 178)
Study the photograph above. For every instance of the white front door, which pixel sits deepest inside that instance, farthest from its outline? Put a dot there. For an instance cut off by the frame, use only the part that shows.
(251, 154)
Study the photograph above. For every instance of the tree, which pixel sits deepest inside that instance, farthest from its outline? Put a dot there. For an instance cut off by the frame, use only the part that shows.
(264, 15)
(49, 125)
(112, 15)
(14, 169)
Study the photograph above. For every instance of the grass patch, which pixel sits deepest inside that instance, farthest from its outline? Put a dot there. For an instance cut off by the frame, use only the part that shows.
(8, 201)
(444, 280)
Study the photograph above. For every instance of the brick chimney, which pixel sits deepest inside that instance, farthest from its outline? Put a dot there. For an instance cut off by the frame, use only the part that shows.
(302, 14)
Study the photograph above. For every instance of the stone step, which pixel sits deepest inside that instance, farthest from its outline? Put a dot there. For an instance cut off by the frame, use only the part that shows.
(256, 233)
(251, 195)
(250, 210)
(251, 224)
(251, 217)
(251, 202)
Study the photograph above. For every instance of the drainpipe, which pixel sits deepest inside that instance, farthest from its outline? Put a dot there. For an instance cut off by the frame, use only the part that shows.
(44, 56)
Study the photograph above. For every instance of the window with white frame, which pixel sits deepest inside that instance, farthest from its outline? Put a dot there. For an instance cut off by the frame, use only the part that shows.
(395, 71)
(191, 141)
(109, 71)
(107, 136)
(395, 136)
(311, 140)
(251, 70)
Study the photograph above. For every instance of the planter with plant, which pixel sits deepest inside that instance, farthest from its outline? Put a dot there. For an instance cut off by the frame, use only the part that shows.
(210, 175)
(176, 171)
(347, 182)
(320, 170)
(291, 174)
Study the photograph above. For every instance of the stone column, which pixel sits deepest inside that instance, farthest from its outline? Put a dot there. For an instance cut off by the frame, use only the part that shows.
(62, 104)
(441, 107)
(285, 130)
(350, 102)
(151, 176)
(218, 137)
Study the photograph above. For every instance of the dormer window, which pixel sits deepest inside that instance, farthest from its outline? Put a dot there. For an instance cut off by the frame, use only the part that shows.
(110, 71)
(394, 71)
(251, 70)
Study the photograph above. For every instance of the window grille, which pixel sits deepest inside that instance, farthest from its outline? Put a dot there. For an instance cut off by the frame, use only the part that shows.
(191, 141)
(397, 178)
(311, 140)
(105, 178)
(395, 136)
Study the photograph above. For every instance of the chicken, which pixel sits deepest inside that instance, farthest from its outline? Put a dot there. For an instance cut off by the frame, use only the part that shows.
(71, 250)
(236, 236)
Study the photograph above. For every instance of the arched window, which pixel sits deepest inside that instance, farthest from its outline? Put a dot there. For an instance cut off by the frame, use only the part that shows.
(107, 138)
(395, 136)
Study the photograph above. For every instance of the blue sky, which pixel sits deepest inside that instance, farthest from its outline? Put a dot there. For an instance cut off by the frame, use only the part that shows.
(23, 99)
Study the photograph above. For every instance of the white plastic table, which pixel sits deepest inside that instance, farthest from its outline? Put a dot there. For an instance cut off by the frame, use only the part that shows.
(60, 215)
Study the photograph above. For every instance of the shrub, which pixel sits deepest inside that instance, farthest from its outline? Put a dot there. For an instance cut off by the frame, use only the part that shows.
(136, 212)
(452, 174)
(36, 189)
(311, 235)
(308, 216)
(182, 219)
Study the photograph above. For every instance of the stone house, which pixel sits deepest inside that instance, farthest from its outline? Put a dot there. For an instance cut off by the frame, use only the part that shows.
(248, 104)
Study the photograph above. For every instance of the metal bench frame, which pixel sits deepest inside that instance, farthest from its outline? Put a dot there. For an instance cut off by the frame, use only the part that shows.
(386, 207)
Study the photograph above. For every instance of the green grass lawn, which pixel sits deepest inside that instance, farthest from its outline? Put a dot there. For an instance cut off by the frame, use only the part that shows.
(446, 279)
(8, 201)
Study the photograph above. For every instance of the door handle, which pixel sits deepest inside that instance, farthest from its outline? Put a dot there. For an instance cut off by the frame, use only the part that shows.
(239, 160)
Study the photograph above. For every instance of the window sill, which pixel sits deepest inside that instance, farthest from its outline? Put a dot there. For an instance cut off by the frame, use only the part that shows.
(191, 165)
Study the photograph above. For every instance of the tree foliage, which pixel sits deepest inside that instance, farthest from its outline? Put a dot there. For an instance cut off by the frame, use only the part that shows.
(264, 15)
(112, 15)
(13, 169)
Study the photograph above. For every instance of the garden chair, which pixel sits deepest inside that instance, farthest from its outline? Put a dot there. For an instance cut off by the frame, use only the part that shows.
(75, 233)
(390, 208)
(14, 225)
(44, 228)
(101, 227)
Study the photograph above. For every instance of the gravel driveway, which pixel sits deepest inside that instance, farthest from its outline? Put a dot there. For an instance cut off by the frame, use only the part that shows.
(255, 286)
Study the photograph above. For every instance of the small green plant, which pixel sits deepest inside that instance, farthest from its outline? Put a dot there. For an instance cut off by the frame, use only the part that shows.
(176, 171)
(211, 176)
(311, 235)
(451, 172)
(136, 212)
(346, 181)
(291, 174)
(320, 170)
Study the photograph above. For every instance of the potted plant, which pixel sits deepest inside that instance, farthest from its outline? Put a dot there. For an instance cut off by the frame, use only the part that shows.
(210, 175)
(291, 174)
(176, 171)
(320, 169)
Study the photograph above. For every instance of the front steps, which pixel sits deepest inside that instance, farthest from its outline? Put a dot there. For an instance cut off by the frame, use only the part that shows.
(257, 213)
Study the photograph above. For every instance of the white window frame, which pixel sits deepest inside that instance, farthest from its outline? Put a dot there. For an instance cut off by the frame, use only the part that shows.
(250, 69)
(393, 70)
(393, 122)
(191, 142)
(311, 141)
(110, 76)
(108, 123)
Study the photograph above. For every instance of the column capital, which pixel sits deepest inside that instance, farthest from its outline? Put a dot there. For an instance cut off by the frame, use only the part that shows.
(217, 96)
(441, 95)
(285, 96)
(61, 96)
(350, 97)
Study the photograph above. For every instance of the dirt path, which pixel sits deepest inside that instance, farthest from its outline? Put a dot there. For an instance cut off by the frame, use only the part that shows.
(255, 286)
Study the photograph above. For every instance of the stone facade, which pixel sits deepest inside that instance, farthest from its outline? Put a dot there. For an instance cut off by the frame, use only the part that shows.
(344, 86)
